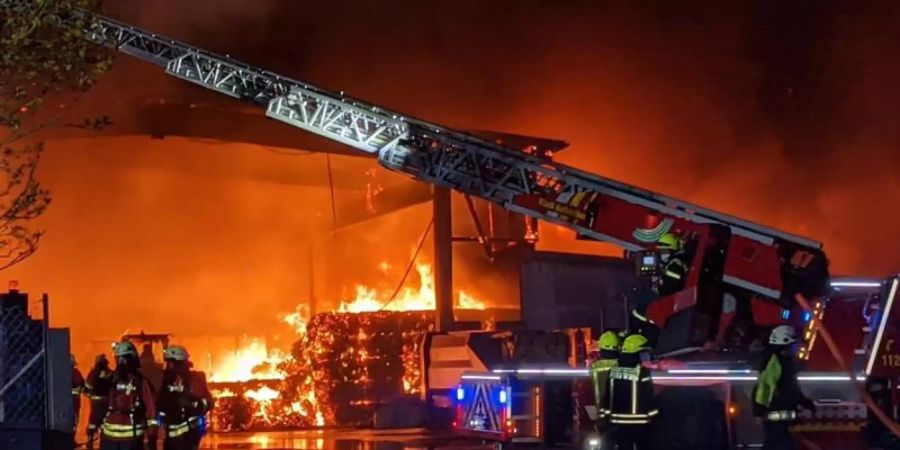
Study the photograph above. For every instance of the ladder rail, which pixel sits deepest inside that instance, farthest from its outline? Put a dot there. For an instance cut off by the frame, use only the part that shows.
(376, 130)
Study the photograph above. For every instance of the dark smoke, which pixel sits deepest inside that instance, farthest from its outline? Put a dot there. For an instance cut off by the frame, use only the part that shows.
(780, 112)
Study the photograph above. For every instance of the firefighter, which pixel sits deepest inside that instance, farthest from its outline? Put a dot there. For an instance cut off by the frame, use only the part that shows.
(630, 404)
(77, 390)
(98, 385)
(640, 324)
(132, 412)
(674, 263)
(609, 345)
(777, 395)
(183, 401)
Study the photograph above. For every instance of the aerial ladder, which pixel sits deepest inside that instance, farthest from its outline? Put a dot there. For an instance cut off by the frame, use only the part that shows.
(731, 256)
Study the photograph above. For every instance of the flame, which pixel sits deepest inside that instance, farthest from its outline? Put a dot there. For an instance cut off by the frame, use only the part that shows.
(263, 394)
(251, 361)
(298, 319)
(369, 299)
(290, 402)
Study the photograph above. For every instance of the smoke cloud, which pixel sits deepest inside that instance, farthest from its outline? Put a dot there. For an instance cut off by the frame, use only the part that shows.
(780, 114)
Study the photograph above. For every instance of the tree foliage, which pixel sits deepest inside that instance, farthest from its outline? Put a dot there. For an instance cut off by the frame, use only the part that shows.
(45, 64)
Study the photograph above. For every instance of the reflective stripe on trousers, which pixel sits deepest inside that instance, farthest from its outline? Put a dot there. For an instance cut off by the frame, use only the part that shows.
(780, 416)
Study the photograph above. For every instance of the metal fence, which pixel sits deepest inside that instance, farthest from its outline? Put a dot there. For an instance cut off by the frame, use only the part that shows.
(23, 369)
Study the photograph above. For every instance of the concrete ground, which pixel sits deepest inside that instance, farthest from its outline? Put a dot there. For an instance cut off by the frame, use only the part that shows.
(349, 439)
(411, 439)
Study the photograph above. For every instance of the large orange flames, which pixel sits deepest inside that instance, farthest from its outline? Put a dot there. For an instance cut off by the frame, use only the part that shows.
(408, 299)
(254, 361)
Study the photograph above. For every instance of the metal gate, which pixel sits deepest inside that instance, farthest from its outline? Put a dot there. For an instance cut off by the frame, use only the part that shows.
(23, 366)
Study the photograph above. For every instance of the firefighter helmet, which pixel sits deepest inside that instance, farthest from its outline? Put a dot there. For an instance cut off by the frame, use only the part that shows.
(635, 343)
(175, 353)
(609, 340)
(783, 335)
(124, 348)
(669, 241)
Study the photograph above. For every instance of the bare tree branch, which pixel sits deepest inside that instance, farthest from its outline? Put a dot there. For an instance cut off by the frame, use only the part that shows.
(44, 57)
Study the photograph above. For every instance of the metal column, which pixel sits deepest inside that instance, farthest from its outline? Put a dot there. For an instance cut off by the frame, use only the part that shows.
(443, 259)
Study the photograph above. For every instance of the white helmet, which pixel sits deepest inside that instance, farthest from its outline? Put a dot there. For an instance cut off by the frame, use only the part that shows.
(124, 348)
(783, 335)
(175, 353)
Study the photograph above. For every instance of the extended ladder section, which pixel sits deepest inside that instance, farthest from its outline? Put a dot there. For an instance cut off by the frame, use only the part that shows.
(592, 205)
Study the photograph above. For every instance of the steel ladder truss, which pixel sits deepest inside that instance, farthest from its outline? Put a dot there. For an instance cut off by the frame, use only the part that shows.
(592, 205)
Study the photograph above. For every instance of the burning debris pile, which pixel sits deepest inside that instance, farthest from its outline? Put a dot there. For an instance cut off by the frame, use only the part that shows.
(343, 366)
(340, 370)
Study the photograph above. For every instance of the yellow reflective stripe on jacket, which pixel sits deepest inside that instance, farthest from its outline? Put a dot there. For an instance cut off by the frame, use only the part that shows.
(767, 382)
(121, 431)
(122, 426)
(636, 416)
(629, 421)
(177, 429)
(673, 275)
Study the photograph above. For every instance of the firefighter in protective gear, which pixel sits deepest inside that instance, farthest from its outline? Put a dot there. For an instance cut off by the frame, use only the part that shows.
(77, 390)
(630, 404)
(640, 324)
(184, 400)
(132, 412)
(777, 395)
(609, 345)
(674, 263)
(97, 387)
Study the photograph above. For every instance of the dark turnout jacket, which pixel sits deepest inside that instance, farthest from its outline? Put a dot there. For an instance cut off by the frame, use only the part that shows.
(777, 394)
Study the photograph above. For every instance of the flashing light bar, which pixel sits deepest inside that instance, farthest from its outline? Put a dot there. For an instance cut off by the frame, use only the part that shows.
(550, 371)
(885, 312)
(829, 378)
(481, 377)
(705, 378)
(855, 284)
(710, 371)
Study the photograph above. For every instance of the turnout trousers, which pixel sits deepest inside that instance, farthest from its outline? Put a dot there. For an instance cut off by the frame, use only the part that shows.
(627, 437)
(777, 436)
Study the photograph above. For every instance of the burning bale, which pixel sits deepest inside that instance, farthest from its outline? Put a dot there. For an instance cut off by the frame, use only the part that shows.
(341, 369)
(358, 361)
(344, 366)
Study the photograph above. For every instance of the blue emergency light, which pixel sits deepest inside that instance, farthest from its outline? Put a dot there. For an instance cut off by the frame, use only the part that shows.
(460, 393)
(503, 396)
(807, 316)
(785, 314)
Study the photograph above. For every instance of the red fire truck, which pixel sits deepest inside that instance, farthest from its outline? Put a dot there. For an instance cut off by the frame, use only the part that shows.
(706, 400)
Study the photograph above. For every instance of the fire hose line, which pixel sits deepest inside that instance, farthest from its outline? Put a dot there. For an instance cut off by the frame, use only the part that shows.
(412, 263)
(832, 348)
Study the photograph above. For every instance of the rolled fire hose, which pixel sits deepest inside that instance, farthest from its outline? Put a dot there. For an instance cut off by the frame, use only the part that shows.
(832, 348)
